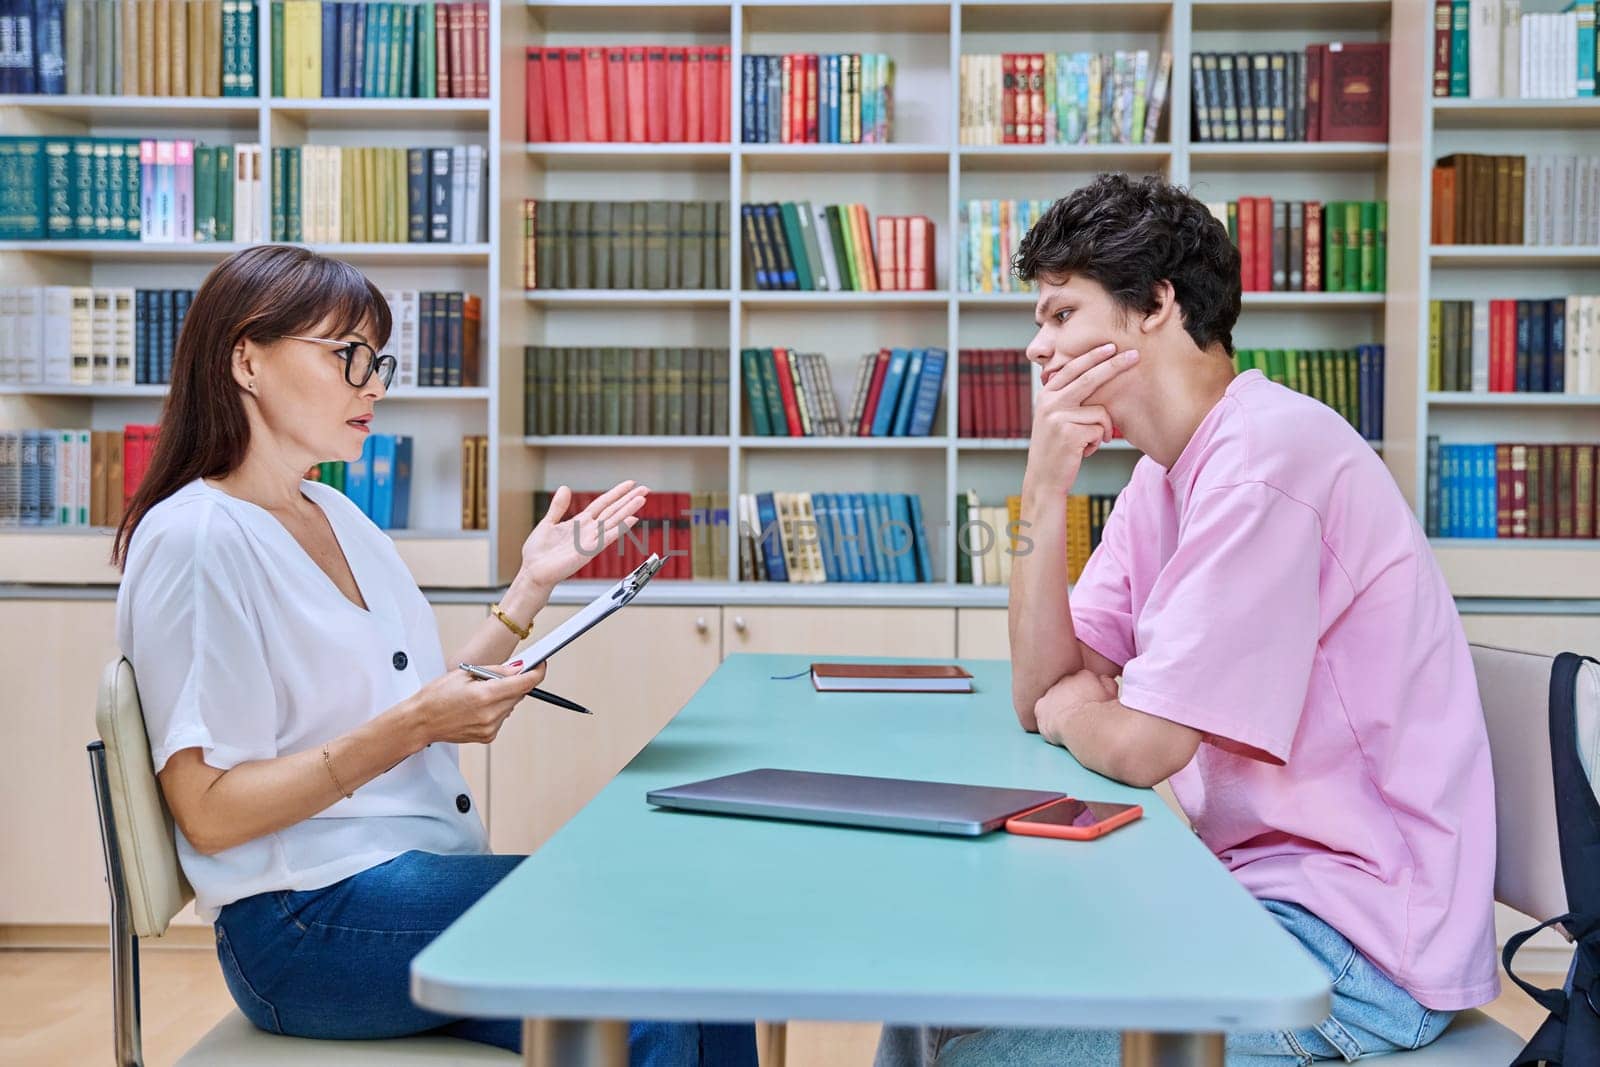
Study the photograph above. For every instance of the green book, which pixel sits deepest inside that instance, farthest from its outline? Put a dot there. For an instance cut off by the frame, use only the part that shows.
(1352, 247)
(1291, 369)
(611, 391)
(247, 49)
(674, 244)
(427, 61)
(368, 34)
(658, 391)
(808, 232)
(692, 248)
(963, 553)
(379, 44)
(205, 193)
(755, 399)
(1383, 246)
(531, 391)
(720, 244)
(1369, 247)
(674, 392)
(642, 363)
(627, 389)
(408, 53)
(1352, 385)
(1333, 247)
(719, 390)
(1460, 47)
(794, 240)
(277, 47)
(100, 176)
(655, 245)
(693, 390)
(580, 240)
(132, 203)
(117, 189)
(58, 215)
(397, 51)
(294, 224)
(617, 238)
(599, 242)
(774, 394)
(843, 248)
(82, 187)
(23, 185)
(560, 379)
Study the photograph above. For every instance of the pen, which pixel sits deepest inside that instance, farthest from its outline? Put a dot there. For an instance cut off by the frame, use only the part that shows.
(537, 694)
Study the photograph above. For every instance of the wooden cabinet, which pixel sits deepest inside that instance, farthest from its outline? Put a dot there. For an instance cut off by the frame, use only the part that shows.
(917, 632)
(1547, 634)
(981, 633)
(547, 763)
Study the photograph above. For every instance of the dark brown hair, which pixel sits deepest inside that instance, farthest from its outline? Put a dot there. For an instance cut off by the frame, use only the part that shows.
(259, 294)
(1129, 235)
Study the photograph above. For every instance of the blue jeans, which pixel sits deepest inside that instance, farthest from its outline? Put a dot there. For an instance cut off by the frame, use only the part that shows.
(335, 962)
(1370, 1015)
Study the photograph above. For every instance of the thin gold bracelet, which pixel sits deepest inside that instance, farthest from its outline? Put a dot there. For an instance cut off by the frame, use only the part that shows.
(328, 762)
(522, 632)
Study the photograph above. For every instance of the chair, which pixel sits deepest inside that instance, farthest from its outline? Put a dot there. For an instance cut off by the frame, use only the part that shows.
(147, 889)
(1515, 687)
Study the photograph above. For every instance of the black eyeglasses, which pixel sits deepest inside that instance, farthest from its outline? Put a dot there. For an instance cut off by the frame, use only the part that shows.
(360, 361)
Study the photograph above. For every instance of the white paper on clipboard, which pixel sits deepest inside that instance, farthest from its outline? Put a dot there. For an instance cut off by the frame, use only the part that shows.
(599, 608)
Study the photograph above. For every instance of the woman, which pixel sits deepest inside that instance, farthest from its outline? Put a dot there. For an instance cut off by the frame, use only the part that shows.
(302, 720)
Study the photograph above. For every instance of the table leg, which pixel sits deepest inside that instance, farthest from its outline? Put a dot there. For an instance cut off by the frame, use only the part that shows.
(1140, 1049)
(574, 1043)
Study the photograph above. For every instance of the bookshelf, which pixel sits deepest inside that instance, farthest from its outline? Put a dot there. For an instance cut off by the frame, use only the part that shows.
(924, 170)
(439, 552)
(1424, 128)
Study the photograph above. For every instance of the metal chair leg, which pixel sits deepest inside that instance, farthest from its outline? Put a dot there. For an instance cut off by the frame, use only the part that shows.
(127, 1044)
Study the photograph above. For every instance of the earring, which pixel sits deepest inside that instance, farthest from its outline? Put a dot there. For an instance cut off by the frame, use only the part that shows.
(251, 385)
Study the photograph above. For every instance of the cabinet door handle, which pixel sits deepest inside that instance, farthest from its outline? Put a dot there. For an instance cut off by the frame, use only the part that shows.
(700, 625)
(739, 623)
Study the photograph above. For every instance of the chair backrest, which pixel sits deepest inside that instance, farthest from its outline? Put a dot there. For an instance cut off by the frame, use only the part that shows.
(1515, 690)
(146, 846)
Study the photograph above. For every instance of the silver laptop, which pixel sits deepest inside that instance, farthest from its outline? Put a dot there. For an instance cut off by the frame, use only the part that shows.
(854, 800)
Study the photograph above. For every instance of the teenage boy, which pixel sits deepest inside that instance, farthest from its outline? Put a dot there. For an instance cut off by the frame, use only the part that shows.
(1288, 652)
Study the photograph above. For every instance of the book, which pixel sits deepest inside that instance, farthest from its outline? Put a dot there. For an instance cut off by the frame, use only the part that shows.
(890, 678)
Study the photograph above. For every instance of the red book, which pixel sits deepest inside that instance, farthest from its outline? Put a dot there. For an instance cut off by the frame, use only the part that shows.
(617, 94)
(1441, 47)
(874, 391)
(811, 99)
(636, 95)
(1355, 92)
(1000, 402)
(1008, 98)
(902, 251)
(533, 96)
(555, 94)
(441, 48)
(693, 92)
(1247, 243)
(458, 51)
(964, 391)
(887, 279)
(655, 91)
(711, 74)
(675, 91)
(480, 51)
(1502, 490)
(1263, 248)
(594, 92)
(791, 406)
(1017, 391)
(919, 253)
(724, 93)
(1311, 268)
(577, 107)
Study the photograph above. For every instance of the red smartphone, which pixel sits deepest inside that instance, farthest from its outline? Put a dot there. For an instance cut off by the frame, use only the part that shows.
(1077, 820)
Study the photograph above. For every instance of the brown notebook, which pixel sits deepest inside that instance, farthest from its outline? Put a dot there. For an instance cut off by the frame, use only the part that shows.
(890, 678)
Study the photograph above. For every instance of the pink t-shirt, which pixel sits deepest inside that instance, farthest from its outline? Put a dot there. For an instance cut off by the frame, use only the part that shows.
(1273, 591)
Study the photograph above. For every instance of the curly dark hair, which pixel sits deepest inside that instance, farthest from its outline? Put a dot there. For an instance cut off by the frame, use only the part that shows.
(1129, 234)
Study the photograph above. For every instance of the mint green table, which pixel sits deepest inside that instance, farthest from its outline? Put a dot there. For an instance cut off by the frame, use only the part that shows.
(632, 912)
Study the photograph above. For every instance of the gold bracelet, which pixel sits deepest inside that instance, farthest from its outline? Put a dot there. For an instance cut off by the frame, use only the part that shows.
(522, 632)
(328, 762)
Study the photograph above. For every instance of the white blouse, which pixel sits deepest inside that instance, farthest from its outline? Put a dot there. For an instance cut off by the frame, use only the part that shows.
(243, 647)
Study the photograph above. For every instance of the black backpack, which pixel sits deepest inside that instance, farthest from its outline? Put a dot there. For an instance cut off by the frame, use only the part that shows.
(1570, 1037)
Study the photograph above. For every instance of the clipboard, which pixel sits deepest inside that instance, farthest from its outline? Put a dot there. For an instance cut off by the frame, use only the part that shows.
(598, 609)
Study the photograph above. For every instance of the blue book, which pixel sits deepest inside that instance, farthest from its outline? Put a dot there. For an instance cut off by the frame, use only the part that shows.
(1491, 496)
(359, 71)
(878, 517)
(358, 479)
(401, 516)
(831, 88)
(370, 47)
(759, 73)
(344, 84)
(864, 533)
(747, 99)
(907, 395)
(1377, 414)
(1555, 376)
(925, 405)
(381, 511)
(141, 337)
(902, 541)
(330, 50)
(49, 46)
(920, 531)
(771, 542)
(851, 546)
(822, 507)
(882, 418)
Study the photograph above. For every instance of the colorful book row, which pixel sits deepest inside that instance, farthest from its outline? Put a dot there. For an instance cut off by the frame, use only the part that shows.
(1511, 490)
(330, 193)
(833, 537)
(1489, 49)
(793, 245)
(990, 233)
(1516, 200)
(1063, 97)
(1515, 346)
(674, 392)
(435, 338)
(366, 49)
(128, 47)
(1309, 246)
(990, 536)
(637, 244)
(78, 335)
(805, 98)
(1349, 380)
(627, 93)
(71, 477)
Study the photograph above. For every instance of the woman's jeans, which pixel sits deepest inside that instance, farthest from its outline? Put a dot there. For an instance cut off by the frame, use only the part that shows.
(1371, 1015)
(335, 962)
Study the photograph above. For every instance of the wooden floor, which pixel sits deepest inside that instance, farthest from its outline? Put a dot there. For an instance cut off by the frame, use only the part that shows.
(57, 1010)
